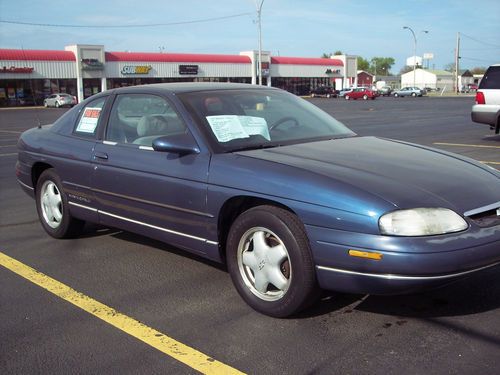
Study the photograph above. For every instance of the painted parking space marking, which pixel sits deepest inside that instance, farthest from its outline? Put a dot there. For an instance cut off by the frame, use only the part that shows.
(10, 131)
(490, 162)
(10, 154)
(8, 146)
(464, 145)
(167, 345)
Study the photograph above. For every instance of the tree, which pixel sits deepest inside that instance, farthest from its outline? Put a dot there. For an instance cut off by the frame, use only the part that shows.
(363, 64)
(337, 53)
(406, 69)
(450, 67)
(326, 55)
(381, 65)
(478, 70)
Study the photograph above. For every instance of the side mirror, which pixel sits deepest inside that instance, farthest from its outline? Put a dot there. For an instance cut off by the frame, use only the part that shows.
(181, 144)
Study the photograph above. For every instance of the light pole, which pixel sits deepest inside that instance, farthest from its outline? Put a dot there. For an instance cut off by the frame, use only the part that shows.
(414, 49)
(259, 13)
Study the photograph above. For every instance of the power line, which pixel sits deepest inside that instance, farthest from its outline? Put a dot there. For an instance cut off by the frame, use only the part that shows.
(480, 41)
(125, 26)
(474, 59)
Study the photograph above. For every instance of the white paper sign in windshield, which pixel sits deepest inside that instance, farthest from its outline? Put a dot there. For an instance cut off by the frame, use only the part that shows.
(88, 122)
(229, 127)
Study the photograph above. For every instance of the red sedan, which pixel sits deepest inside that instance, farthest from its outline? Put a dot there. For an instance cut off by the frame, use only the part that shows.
(361, 92)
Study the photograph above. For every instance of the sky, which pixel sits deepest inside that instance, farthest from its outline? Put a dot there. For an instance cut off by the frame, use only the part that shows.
(297, 28)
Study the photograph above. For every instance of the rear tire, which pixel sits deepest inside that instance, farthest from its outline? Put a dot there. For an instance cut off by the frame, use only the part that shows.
(270, 261)
(365, 97)
(57, 104)
(347, 97)
(53, 209)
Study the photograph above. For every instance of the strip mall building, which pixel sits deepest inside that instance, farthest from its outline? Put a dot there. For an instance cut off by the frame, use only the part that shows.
(28, 76)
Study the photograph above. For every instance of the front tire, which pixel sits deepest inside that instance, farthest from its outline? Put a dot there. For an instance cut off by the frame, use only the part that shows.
(52, 207)
(413, 94)
(57, 104)
(365, 97)
(347, 97)
(270, 261)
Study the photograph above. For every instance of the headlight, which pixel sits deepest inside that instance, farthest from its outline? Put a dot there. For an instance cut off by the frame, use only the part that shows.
(421, 222)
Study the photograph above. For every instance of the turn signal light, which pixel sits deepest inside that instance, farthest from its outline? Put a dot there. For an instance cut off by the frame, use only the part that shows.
(365, 254)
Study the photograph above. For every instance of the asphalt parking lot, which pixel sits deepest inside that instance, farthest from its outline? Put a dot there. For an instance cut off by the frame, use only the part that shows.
(453, 330)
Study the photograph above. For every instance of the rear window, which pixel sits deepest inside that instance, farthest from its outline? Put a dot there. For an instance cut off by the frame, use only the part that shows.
(491, 79)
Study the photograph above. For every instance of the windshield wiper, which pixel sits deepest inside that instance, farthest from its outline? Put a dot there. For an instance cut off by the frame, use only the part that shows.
(254, 147)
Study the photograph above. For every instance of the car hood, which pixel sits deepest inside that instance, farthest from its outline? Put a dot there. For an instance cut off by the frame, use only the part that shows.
(403, 174)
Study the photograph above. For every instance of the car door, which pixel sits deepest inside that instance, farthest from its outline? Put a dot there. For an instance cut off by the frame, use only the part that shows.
(51, 101)
(159, 194)
(76, 169)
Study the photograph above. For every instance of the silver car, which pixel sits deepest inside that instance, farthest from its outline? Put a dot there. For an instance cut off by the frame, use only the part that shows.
(59, 100)
(408, 91)
(487, 107)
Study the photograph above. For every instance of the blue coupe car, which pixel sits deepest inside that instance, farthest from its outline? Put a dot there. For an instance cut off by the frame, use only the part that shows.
(287, 196)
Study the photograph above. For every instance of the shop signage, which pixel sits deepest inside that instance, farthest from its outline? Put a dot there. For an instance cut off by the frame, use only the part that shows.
(188, 69)
(136, 69)
(332, 71)
(14, 69)
(92, 64)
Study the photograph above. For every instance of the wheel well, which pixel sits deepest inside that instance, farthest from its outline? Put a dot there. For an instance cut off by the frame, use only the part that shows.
(232, 208)
(37, 170)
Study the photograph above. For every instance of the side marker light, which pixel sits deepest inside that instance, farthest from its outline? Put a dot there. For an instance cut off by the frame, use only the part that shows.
(365, 254)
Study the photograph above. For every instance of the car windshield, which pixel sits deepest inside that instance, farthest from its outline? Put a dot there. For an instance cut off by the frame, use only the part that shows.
(255, 118)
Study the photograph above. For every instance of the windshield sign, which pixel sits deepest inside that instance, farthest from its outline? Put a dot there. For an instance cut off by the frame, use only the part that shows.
(246, 119)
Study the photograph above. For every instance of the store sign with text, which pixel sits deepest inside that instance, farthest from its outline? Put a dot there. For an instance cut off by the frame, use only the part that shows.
(188, 69)
(14, 69)
(92, 64)
(136, 69)
(332, 71)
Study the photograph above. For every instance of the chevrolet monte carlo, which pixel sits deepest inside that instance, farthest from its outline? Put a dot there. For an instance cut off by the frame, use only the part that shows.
(291, 199)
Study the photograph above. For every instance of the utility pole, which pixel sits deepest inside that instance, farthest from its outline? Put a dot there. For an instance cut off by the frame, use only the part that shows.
(457, 57)
(259, 16)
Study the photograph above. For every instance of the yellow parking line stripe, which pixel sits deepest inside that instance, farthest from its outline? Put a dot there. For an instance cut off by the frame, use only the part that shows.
(464, 145)
(175, 349)
(490, 162)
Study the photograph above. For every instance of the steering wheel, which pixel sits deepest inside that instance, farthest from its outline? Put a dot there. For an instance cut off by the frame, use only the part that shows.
(284, 120)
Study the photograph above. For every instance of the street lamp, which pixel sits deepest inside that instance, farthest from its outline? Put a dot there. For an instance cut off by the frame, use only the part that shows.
(414, 49)
(259, 13)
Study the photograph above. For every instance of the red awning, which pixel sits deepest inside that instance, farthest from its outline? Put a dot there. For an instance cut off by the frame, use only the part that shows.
(36, 55)
(305, 61)
(176, 57)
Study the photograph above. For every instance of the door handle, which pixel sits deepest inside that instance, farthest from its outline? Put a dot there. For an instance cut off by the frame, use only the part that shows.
(100, 155)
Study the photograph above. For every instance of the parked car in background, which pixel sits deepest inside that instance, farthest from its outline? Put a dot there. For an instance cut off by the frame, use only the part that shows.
(408, 91)
(385, 90)
(361, 93)
(324, 91)
(290, 198)
(473, 86)
(487, 107)
(59, 100)
(342, 92)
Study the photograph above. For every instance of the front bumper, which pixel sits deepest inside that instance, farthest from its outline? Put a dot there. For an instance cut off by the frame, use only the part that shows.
(408, 264)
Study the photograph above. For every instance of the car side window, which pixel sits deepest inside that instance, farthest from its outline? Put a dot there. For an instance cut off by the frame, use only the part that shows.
(88, 120)
(141, 118)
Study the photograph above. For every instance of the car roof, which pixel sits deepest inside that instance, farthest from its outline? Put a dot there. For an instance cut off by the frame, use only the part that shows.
(181, 87)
